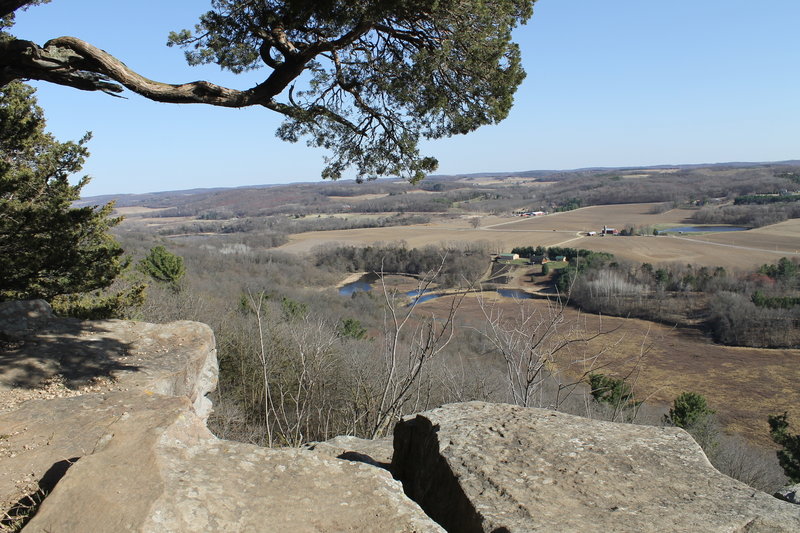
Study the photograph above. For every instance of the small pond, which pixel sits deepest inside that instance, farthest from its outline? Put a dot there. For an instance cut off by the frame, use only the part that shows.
(417, 292)
(514, 293)
(364, 283)
(704, 229)
(422, 296)
(426, 297)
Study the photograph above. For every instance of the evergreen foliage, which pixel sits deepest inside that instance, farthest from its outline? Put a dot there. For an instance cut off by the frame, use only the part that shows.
(365, 80)
(765, 199)
(99, 304)
(783, 270)
(352, 328)
(789, 456)
(293, 310)
(687, 410)
(47, 247)
(162, 265)
(615, 392)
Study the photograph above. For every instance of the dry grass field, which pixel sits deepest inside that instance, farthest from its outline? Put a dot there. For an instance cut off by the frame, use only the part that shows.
(137, 210)
(744, 385)
(731, 250)
(595, 217)
(426, 234)
(685, 250)
(507, 181)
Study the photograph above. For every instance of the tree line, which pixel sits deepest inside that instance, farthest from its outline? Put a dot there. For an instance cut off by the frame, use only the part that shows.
(758, 309)
(286, 225)
(459, 264)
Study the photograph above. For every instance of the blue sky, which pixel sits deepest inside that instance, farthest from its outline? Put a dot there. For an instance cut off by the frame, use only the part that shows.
(610, 83)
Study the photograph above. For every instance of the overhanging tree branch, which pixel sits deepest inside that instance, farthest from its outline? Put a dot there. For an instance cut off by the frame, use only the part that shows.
(75, 63)
(7, 7)
(366, 80)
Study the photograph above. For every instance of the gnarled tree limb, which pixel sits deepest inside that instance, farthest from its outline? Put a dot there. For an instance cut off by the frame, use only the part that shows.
(76, 63)
(7, 7)
(366, 80)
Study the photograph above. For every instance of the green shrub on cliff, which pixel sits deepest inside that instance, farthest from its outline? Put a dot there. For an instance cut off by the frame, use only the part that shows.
(47, 247)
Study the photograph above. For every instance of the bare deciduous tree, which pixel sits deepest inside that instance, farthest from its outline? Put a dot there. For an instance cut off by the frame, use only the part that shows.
(405, 357)
(533, 345)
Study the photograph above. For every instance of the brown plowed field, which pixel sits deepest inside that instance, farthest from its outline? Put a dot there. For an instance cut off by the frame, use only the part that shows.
(686, 250)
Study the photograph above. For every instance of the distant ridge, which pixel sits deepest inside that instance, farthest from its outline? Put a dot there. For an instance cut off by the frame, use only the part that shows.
(540, 173)
(126, 199)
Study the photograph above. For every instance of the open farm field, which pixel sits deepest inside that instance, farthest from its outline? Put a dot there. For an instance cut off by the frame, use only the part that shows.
(743, 385)
(137, 210)
(683, 250)
(157, 223)
(420, 235)
(349, 216)
(595, 217)
(732, 250)
(349, 199)
(783, 238)
(507, 181)
(559, 229)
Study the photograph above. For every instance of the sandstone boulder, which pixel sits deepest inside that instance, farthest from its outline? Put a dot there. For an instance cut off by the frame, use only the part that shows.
(61, 385)
(66, 357)
(105, 420)
(789, 494)
(376, 452)
(496, 467)
(20, 317)
(158, 469)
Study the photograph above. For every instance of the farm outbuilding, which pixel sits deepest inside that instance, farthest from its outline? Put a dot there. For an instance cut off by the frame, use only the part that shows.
(507, 257)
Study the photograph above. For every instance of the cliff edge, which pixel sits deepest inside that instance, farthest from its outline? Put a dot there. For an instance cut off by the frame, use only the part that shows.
(105, 421)
(103, 428)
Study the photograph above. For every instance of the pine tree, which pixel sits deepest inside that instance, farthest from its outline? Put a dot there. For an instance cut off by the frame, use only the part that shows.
(687, 410)
(47, 246)
(164, 266)
(789, 456)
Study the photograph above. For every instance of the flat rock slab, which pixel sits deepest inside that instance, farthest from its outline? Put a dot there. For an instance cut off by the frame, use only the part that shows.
(40, 351)
(496, 467)
(43, 434)
(158, 469)
(108, 419)
(376, 452)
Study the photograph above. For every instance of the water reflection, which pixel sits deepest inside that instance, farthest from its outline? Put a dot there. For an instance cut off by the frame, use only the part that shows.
(514, 293)
(364, 283)
(422, 297)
